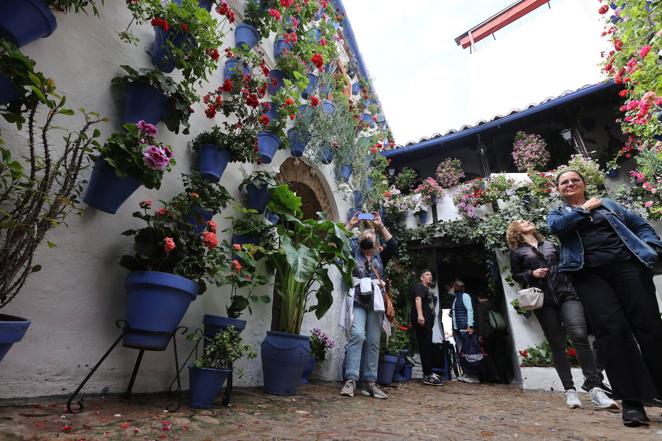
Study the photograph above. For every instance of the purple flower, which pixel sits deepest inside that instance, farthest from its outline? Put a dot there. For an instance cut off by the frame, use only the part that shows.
(147, 128)
(155, 157)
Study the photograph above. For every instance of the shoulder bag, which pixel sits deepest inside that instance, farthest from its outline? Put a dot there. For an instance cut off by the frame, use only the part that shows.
(530, 298)
(389, 308)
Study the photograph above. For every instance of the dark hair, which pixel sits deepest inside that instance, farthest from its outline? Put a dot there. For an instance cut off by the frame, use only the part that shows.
(562, 172)
(423, 271)
(458, 285)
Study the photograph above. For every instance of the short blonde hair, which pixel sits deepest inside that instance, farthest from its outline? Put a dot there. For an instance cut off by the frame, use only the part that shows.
(514, 235)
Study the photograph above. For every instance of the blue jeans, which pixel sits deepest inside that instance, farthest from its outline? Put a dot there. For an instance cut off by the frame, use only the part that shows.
(367, 327)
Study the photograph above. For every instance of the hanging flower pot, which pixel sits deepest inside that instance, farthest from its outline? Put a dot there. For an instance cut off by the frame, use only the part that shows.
(275, 82)
(8, 91)
(358, 198)
(243, 239)
(327, 154)
(307, 370)
(284, 357)
(107, 191)
(325, 88)
(212, 161)
(297, 143)
(386, 368)
(281, 45)
(258, 197)
(271, 110)
(204, 385)
(310, 88)
(246, 35)
(156, 304)
(235, 66)
(345, 172)
(367, 118)
(144, 102)
(12, 329)
(356, 88)
(24, 21)
(267, 144)
(315, 34)
(161, 53)
(422, 217)
(328, 107)
(214, 324)
(198, 218)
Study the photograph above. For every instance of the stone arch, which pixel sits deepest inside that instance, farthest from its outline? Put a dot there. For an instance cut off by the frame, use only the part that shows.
(309, 184)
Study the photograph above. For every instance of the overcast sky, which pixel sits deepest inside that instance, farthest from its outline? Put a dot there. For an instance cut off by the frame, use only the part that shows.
(427, 84)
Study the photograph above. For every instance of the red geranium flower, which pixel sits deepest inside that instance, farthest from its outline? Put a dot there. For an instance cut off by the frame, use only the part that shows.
(185, 27)
(168, 244)
(209, 239)
(274, 13)
(264, 120)
(317, 60)
(227, 85)
(603, 9)
(212, 226)
(314, 101)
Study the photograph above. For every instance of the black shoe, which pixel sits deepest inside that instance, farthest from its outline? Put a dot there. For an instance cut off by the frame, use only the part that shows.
(634, 414)
(653, 402)
(607, 390)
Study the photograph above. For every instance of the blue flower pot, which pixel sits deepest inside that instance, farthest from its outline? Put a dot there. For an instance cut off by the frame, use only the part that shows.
(284, 357)
(144, 102)
(275, 82)
(198, 218)
(243, 239)
(272, 113)
(233, 67)
(204, 385)
(281, 45)
(272, 218)
(246, 35)
(398, 366)
(368, 182)
(12, 329)
(423, 217)
(206, 4)
(107, 191)
(258, 197)
(358, 198)
(161, 53)
(612, 172)
(324, 89)
(24, 21)
(156, 304)
(267, 144)
(297, 144)
(315, 34)
(307, 370)
(356, 88)
(345, 172)
(406, 372)
(8, 92)
(215, 323)
(310, 88)
(327, 154)
(386, 368)
(367, 118)
(212, 161)
(328, 107)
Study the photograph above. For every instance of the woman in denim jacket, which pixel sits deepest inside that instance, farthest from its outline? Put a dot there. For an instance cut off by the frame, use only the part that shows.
(534, 263)
(611, 252)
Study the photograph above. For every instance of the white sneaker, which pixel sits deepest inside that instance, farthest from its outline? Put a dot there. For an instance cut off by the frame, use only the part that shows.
(572, 399)
(348, 389)
(601, 400)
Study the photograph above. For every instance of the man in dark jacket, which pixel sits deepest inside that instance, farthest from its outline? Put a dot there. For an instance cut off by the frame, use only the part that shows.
(422, 319)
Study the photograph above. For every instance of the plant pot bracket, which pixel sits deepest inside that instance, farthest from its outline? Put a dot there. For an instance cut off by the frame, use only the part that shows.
(77, 406)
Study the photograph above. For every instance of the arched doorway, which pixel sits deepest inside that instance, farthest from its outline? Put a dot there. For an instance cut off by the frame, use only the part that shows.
(316, 196)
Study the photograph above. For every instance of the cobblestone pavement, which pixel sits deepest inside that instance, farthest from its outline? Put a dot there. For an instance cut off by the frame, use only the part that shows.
(454, 411)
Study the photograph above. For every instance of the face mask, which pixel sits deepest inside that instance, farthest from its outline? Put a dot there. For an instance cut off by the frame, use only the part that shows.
(366, 244)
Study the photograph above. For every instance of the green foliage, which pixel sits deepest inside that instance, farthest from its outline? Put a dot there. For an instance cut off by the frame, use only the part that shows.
(240, 149)
(307, 248)
(406, 179)
(255, 14)
(541, 355)
(399, 340)
(261, 179)
(211, 196)
(320, 343)
(223, 350)
(180, 96)
(201, 35)
(74, 5)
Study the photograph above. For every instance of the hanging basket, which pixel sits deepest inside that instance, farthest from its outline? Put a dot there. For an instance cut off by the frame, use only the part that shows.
(156, 304)
(246, 35)
(107, 191)
(284, 357)
(24, 21)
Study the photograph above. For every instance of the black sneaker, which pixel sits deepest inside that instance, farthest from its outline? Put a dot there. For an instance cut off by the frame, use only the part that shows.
(634, 414)
(432, 380)
(607, 390)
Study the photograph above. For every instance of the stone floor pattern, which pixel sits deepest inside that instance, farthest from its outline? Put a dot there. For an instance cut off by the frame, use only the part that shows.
(454, 411)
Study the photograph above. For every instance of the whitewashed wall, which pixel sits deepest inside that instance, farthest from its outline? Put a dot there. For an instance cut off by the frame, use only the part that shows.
(74, 301)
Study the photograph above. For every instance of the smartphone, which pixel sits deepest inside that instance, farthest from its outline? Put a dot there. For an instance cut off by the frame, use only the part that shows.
(366, 216)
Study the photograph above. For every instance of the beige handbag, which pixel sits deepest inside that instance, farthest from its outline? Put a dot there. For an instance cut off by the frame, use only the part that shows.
(530, 298)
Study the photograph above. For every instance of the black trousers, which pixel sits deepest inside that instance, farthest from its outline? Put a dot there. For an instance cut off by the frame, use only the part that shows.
(620, 302)
(424, 337)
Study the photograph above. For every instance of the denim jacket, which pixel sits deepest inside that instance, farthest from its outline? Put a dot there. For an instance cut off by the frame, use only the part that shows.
(632, 229)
